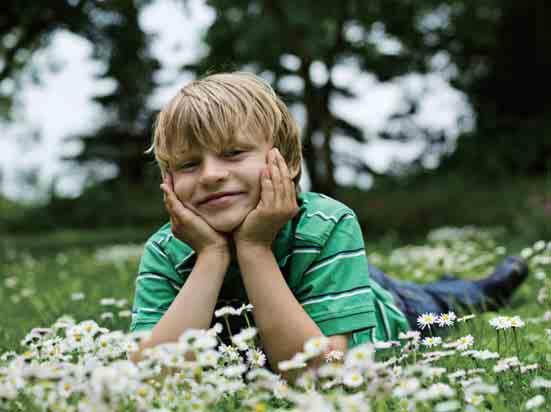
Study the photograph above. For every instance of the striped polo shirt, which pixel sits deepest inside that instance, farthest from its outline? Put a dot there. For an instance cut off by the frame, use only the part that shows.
(322, 256)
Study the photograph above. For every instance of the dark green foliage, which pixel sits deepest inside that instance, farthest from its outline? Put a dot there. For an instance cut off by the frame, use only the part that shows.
(493, 51)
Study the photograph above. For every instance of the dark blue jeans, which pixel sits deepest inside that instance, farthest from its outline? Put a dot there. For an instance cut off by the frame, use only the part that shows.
(444, 295)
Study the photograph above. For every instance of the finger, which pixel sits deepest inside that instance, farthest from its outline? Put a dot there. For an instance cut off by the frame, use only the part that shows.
(172, 202)
(169, 181)
(276, 179)
(286, 182)
(266, 188)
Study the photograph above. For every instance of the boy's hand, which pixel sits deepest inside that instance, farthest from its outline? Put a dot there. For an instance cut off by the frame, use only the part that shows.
(277, 205)
(190, 227)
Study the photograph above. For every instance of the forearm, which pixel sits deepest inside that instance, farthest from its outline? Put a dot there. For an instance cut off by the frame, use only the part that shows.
(193, 306)
(283, 324)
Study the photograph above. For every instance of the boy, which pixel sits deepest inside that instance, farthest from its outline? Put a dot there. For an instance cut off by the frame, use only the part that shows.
(230, 156)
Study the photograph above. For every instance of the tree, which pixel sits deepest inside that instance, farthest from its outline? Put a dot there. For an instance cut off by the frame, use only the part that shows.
(118, 42)
(284, 40)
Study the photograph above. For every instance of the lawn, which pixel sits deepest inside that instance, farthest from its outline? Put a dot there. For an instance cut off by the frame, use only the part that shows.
(79, 285)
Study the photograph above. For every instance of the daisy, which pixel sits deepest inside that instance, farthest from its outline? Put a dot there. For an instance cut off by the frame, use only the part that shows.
(447, 406)
(541, 383)
(352, 379)
(334, 356)
(426, 319)
(225, 311)
(465, 342)
(535, 402)
(386, 344)
(516, 322)
(316, 345)
(431, 341)
(501, 322)
(446, 319)
(360, 356)
(485, 355)
(256, 357)
(410, 335)
(208, 358)
(406, 387)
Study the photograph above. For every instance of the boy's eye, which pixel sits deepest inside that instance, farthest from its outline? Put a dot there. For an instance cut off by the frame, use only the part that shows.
(234, 152)
(187, 165)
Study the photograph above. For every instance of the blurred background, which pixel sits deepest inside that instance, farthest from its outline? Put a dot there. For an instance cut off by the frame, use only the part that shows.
(417, 114)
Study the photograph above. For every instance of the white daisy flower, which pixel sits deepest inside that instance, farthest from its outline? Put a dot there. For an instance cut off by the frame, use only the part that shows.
(256, 358)
(406, 387)
(225, 311)
(234, 371)
(360, 356)
(410, 335)
(431, 341)
(534, 402)
(352, 379)
(446, 319)
(447, 406)
(77, 296)
(230, 353)
(540, 382)
(316, 345)
(334, 356)
(208, 358)
(516, 322)
(485, 355)
(426, 319)
(501, 322)
(465, 342)
(539, 245)
(298, 361)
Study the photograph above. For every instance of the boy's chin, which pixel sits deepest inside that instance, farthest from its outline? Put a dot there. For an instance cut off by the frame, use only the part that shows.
(228, 225)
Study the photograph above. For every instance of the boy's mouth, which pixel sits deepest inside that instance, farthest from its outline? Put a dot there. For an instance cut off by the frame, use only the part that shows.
(218, 198)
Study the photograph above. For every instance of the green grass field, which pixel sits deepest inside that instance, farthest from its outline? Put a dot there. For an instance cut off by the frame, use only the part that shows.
(90, 276)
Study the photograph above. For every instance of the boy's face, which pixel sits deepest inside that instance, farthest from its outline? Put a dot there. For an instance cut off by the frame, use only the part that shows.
(233, 174)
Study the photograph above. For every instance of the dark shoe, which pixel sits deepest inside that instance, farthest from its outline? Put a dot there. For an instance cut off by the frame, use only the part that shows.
(505, 279)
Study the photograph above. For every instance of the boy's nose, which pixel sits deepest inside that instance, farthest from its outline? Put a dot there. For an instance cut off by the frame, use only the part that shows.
(213, 170)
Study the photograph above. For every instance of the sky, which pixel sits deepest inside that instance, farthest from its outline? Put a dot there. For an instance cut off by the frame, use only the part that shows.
(61, 104)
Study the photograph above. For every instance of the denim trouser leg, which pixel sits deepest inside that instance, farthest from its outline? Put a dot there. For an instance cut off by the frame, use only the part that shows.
(449, 294)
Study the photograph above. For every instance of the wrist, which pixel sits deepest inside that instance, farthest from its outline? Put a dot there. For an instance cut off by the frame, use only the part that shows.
(252, 247)
(217, 256)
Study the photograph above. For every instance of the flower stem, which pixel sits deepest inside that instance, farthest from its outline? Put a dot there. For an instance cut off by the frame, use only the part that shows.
(516, 343)
(228, 325)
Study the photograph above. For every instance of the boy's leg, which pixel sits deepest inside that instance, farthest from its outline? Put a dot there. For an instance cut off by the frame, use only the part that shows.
(453, 294)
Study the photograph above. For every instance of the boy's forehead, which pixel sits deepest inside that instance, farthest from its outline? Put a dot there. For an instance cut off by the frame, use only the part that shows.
(244, 138)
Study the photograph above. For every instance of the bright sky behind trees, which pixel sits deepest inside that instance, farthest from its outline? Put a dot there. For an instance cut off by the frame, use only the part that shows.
(61, 105)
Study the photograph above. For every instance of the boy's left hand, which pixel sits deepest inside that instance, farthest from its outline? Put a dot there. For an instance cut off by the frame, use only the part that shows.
(277, 205)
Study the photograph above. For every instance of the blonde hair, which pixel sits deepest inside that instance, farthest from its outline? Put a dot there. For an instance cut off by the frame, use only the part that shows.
(211, 112)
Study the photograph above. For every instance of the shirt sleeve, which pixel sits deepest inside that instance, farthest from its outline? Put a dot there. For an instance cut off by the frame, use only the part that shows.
(157, 285)
(335, 289)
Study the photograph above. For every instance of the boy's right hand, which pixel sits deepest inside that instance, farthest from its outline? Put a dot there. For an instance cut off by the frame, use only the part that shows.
(190, 227)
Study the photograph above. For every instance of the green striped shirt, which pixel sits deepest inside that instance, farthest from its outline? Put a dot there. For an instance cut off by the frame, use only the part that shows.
(322, 256)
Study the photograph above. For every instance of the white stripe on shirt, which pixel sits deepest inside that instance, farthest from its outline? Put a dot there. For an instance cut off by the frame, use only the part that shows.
(151, 276)
(343, 255)
(337, 297)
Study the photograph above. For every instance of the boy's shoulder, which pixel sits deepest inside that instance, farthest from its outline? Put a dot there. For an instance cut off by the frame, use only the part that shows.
(318, 216)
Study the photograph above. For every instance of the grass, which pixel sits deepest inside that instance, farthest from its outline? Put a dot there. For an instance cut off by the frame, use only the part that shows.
(73, 272)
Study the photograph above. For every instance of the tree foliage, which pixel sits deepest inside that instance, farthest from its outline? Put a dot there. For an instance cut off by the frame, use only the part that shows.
(118, 41)
(494, 51)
